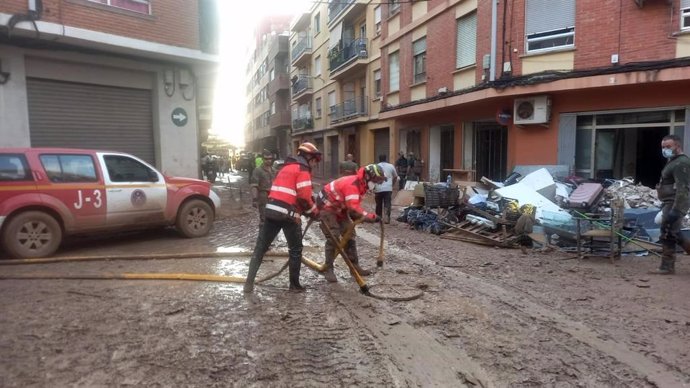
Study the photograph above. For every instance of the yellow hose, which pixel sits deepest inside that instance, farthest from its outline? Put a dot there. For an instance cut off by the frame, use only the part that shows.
(161, 256)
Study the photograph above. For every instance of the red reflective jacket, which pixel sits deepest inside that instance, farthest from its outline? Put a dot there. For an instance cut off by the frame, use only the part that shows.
(345, 194)
(291, 192)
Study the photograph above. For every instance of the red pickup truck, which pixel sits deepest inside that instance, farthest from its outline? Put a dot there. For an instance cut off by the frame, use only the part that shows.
(48, 193)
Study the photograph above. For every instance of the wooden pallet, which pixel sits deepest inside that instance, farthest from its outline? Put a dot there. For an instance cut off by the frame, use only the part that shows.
(481, 234)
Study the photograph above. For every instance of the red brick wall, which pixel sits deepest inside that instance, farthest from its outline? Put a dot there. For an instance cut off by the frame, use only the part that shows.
(173, 22)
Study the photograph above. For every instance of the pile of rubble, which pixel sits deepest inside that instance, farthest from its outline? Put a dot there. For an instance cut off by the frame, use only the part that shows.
(487, 211)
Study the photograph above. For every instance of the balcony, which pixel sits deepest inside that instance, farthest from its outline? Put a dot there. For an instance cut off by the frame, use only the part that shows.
(301, 87)
(280, 82)
(302, 124)
(345, 10)
(279, 46)
(349, 111)
(279, 119)
(348, 57)
(301, 22)
(301, 54)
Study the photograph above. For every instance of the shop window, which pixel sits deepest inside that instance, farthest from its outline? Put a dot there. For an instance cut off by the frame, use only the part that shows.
(141, 6)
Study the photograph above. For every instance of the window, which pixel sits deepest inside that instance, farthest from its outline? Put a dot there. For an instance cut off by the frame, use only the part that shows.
(141, 6)
(377, 19)
(393, 7)
(466, 41)
(419, 60)
(685, 14)
(317, 66)
(331, 103)
(549, 24)
(273, 107)
(272, 74)
(13, 168)
(317, 23)
(69, 168)
(318, 107)
(125, 169)
(393, 72)
(377, 83)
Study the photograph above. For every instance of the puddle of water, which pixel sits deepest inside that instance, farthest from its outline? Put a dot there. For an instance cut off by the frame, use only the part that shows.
(233, 249)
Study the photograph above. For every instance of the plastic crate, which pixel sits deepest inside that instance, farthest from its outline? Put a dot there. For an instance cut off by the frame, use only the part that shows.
(440, 196)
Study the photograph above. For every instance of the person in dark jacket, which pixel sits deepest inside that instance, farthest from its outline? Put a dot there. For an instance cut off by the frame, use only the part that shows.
(673, 190)
(289, 198)
(401, 169)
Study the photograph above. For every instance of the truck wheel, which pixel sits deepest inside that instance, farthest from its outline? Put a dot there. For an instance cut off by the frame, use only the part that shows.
(194, 219)
(32, 234)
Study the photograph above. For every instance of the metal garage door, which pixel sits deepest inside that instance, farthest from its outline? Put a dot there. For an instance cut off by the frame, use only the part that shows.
(65, 114)
(381, 145)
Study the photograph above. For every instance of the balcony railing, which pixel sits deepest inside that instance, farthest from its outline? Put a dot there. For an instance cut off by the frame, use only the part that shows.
(300, 48)
(346, 51)
(336, 7)
(302, 123)
(279, 119)
(300, 85)
(349, 109)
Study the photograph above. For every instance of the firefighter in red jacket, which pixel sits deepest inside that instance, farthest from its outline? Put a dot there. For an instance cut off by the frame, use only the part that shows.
(339, 203)
(289, 198)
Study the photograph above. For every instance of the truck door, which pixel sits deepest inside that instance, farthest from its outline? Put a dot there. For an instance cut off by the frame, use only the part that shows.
(136, 192)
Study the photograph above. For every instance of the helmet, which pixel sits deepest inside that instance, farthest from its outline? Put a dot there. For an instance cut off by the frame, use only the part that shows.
(266, 154)
(374, 172)
(512, 209)
(309, 149)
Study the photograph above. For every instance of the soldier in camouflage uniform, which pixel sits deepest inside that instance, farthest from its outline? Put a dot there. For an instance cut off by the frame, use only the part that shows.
(674, 191)
(262, 179)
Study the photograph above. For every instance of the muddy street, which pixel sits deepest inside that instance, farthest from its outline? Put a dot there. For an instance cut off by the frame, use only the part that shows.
(487, 317)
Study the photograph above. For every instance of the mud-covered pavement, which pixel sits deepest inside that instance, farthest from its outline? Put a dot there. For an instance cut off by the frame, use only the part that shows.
(487, 317)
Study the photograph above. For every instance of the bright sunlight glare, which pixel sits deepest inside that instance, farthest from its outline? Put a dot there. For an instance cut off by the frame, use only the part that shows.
(237, 21)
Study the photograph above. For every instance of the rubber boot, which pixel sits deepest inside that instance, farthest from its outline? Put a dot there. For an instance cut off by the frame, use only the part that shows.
(351, 250)
(668, 262)
(685, 244)
(294, 267)
(251, 275)
(330, 259)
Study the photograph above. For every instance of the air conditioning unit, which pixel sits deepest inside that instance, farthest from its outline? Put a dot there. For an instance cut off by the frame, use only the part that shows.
(532, 110)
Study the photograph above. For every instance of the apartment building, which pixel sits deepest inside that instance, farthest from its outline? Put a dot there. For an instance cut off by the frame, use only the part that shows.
(128, 75)
(484, 86)
(336, 83)
(268, 88)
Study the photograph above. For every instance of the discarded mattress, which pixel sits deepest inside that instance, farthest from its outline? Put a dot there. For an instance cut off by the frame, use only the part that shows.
(585, 195)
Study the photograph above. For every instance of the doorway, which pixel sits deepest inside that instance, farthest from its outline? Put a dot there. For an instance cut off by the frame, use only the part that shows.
(490, 150)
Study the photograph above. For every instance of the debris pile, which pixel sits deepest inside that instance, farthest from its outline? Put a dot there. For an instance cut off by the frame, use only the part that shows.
(563, 210)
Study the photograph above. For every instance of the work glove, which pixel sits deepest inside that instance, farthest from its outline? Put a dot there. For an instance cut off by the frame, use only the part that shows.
(373, 219)
(672, 216)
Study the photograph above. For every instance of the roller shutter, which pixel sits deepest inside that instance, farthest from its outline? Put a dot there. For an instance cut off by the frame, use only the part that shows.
(381, 145)
(74, 115)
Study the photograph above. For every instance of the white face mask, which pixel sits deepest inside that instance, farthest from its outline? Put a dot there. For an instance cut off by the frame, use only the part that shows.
(667, 152)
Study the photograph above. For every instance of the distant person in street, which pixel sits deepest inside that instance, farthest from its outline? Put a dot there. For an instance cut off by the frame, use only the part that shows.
(401, 169)
(260, 184)
(348, 166)
(383, 192)
(339, 203)
(290, 198)
(411, 174)
(673, 190)
(251, 165)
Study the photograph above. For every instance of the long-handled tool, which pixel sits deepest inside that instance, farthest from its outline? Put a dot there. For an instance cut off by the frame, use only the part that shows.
(340, 247)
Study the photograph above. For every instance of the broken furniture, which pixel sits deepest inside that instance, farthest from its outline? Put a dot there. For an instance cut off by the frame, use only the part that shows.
(604, 229)
(460, 175)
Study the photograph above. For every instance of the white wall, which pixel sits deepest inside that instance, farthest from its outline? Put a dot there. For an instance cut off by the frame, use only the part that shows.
(14, 111)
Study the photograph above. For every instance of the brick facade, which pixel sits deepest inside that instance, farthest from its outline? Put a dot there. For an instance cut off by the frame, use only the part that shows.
(172, 22)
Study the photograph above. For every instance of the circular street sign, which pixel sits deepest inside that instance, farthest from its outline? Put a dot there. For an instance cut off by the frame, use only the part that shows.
(179, 117)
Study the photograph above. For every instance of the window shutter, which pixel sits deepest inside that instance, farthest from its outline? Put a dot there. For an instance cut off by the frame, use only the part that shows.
(377, 15)
(377, 75)
(548, 15)
(394, 72)
(684, 3)
(419, 46)
(466, 50)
